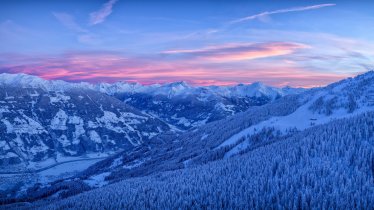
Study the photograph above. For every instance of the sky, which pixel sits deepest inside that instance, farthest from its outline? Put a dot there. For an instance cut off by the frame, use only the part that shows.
(297, 43)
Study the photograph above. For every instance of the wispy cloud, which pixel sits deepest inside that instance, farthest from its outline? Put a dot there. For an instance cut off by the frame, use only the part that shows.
(112, 67)
(240, 51)
(84, 35)
(68, 21)
(100, 15)
(264, 16)
(294, 9)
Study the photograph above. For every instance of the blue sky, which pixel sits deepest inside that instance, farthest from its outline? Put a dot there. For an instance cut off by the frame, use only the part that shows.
(299, 43)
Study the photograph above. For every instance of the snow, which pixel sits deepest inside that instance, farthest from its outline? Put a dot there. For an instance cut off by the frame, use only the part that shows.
(25, 125)
(3, 145)
(29, 81)
(111, 121)
(59, 121)
(204, 136)
(174, 89)
(256, 89)
(64, 141)
(38, 148)
(44, 177)
(116, 162)
(237, 149)
(4, 109)
(68, 167)
(316, 169)
(301, 119)
(134, 164)
(10, 154)
(64, 160)
(182, 89)
(41, 164)
(9, 126)
(97, 180)
(186, 162)
(132, 115)
(59, 98)
(95, 137)
(92, 124)
(227, 108)
(79, 129)
(181, 120)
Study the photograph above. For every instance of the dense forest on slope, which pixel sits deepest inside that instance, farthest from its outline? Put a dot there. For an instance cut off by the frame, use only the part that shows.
(323, 167)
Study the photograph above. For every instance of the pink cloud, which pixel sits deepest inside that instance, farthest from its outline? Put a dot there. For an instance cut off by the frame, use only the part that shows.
(113, 67)
(239, 51)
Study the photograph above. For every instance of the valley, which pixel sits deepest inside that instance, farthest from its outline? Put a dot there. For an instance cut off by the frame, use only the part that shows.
(222, 141)
(120, 104)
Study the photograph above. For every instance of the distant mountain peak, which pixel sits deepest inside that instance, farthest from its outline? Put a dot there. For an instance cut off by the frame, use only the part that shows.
(178, 84)
(258, 83)
(168, 89)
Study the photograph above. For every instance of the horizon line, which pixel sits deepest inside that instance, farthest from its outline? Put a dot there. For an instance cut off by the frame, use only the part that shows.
(178, 81)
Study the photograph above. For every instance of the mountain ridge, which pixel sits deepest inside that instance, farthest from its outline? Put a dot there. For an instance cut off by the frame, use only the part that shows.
(277, 122)
(260, 125)
(31, 81)
(178, 104)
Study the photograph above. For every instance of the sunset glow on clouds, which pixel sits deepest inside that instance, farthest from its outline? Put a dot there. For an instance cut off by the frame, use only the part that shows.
(112, 67)
(107, 41)
(238, 52)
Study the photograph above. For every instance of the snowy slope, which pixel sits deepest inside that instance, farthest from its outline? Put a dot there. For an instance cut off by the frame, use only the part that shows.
(43, 119)
(29, 81)
(290, 117)
(248, 130)
(325, 167)
(178, 104)
(188, 107)
(37, 125)
(347, 98)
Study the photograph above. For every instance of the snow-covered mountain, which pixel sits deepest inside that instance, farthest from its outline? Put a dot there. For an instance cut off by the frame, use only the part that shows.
(49, 119)
(185, 106)
(309, 145)
(29, 81)
(256, 89)
(245, 131)
(39, 123)
(44, 123)
(178, 104)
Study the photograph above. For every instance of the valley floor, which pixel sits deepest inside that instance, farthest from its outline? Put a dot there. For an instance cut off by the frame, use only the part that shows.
(19, 181)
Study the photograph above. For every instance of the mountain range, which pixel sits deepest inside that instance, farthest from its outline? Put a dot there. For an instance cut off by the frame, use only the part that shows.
(180, 105)
(245, 131)
(46, 120)
(293, 148)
